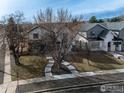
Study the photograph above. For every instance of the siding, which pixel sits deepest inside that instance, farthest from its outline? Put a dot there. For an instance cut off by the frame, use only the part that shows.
(121, 35)
(40, 32)
(107, 39)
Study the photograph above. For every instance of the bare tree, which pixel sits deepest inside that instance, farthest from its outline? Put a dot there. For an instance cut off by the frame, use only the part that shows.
(63, 16)
(14, 34)
(59, 28)
(3, 35)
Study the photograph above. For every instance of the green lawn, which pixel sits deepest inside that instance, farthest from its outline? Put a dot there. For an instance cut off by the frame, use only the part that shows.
(95, 61)
(32, 67)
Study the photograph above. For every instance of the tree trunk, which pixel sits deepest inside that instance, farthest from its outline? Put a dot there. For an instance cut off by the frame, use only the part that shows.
(16, 56)
(58, 68)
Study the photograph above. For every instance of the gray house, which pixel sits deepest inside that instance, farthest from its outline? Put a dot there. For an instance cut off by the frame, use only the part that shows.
(100, 37)
(118, 28)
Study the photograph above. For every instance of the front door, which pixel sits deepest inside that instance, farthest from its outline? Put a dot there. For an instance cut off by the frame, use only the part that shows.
(116, 47)
(109, 46)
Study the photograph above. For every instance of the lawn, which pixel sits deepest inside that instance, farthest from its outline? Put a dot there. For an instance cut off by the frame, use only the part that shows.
(32, 67)
(94, 61)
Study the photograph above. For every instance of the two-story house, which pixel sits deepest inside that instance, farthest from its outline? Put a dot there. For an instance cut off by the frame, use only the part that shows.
(99, 37)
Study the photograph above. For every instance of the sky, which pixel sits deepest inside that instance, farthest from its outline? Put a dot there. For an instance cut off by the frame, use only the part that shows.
(87, 8)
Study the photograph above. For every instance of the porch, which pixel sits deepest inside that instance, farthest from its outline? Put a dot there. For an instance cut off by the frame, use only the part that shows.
(105, 46)
(115, 46)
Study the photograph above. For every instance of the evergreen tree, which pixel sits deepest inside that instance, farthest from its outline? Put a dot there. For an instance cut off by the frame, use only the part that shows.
(115, 19)
(100, 21)
(93, 19)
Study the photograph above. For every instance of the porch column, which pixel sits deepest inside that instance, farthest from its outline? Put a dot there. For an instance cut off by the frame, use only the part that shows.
(105, 46)
(119, 47)
(112, 46)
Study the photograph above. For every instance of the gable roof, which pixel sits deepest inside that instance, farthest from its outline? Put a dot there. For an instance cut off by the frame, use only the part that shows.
(33, 29)
(109, 26)
(73, 28)
(115, 25)
(87, 26)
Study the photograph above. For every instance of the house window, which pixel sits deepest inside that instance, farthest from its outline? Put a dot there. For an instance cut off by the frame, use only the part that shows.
(35, 35)
(93, 33)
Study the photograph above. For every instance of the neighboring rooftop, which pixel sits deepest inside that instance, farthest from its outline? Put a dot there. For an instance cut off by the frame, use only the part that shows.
(114, 26)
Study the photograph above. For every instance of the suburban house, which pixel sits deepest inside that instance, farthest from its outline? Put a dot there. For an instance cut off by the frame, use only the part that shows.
(118, 29)
(35, 38)
(37, 35)
(94, 36)
(100, 36)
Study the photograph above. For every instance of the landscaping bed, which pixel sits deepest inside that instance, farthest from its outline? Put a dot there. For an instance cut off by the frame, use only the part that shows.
(31, 67)
(94, 61)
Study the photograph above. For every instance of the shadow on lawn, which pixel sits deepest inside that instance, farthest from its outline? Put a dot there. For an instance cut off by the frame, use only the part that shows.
(30, 68)
(26, 72)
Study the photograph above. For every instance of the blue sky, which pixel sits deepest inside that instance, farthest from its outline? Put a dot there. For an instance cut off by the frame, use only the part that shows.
(100, 8)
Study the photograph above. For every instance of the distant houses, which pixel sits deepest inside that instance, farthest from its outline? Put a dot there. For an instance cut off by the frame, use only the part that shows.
(107, 36)
(102, 36)
(36, 36)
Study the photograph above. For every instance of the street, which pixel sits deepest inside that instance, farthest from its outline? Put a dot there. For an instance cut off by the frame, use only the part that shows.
(91, 84)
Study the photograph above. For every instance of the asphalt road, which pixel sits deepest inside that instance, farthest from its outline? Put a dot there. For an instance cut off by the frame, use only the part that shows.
(48, 85)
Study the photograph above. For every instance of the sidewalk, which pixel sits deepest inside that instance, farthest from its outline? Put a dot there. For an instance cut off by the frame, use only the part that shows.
(7, 73)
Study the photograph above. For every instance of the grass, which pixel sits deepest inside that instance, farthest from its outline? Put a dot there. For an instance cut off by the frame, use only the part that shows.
(95, 61)
(32, 67)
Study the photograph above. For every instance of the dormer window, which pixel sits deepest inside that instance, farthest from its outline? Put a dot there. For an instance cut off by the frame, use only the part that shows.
(35, 36)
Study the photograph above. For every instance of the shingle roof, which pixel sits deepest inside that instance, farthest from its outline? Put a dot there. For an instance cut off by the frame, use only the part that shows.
(113, 26)
(87, 26)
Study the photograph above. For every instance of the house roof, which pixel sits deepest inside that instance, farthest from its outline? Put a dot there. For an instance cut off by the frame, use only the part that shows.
(117, 38)
(69, 25)
(87, 26)
(109, 26)
(33, 29)
(73, 28)
(113, 26)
